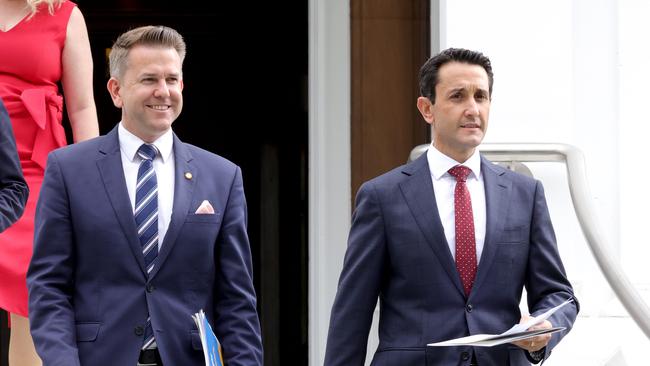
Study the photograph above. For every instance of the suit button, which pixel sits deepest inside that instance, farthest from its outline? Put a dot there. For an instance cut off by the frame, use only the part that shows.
(139, 330)
(469, 308)
(150, 288)
(464, 356)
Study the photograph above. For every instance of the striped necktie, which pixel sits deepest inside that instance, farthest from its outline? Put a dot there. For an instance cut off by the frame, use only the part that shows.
(146, 219)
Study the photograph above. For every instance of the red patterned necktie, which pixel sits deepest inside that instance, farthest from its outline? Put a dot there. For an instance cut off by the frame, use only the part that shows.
(465, 238)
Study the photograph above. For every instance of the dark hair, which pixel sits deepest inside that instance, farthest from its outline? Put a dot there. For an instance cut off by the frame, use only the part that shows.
(429, 71)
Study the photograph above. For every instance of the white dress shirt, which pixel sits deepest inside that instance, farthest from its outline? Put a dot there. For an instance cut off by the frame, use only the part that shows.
(443, 188)
(163, 164)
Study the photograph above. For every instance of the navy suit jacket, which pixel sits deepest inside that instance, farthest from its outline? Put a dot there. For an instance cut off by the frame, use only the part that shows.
(397, 252)
(13, 189)
(88, 292)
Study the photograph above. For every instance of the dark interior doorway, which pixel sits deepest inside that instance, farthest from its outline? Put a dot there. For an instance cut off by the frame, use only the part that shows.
(245, 98)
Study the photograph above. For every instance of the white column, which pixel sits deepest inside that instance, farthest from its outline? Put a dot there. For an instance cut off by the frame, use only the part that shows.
(329, 161)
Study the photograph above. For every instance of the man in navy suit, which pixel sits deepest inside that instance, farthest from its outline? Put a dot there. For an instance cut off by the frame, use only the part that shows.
(13, 189)
(136, 231)
(449, 257)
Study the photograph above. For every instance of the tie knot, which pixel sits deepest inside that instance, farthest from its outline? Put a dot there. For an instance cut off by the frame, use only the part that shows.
(460, 172)
(147, 151)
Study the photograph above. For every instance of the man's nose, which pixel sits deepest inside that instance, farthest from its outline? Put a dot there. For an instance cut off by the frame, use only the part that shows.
(162, 90)
(472, 108)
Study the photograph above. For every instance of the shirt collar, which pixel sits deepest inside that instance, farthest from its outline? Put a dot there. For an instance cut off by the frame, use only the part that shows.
(440, 163)
(130, 143)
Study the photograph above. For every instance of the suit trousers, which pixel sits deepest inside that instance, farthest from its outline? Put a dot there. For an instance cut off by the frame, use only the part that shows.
(150, 357)
(473, 362)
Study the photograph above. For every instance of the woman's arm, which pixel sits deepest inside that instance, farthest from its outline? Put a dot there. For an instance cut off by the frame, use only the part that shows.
(77, 79)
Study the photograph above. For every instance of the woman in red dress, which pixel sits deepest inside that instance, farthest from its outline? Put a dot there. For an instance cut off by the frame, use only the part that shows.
(42, 43)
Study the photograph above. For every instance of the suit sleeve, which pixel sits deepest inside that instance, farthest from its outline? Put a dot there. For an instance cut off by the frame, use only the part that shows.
(13, 189)
(546, 282)
(359, 284)
(236, 321)
(50, 277)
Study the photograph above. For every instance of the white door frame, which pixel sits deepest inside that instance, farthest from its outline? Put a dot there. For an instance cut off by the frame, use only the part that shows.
(329, 161)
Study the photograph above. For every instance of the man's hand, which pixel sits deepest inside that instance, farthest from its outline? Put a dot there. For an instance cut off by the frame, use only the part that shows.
(538, 342)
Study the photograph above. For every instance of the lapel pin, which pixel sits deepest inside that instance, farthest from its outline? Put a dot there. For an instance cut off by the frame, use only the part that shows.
(188, 175)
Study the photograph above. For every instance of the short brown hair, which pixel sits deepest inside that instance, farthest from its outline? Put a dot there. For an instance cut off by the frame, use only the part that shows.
(156, 36)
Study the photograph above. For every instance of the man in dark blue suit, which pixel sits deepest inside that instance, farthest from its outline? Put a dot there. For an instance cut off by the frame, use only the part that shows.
(13, 189)
(448, 242)
(136, 231)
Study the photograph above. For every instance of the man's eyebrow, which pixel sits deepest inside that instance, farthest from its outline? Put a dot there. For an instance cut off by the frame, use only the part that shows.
(156, 75)
(457, 89)
(148, 75)
(465, 88)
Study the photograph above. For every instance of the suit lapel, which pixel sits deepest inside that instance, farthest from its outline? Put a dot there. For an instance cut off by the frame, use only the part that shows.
(183, 189)
(418, 193)
(112, 174)
(497, 197)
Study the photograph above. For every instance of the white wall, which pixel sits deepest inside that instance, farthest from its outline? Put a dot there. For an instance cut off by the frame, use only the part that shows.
(634, 130)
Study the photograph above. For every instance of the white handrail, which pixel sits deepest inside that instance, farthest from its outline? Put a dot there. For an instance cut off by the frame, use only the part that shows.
(577, 176)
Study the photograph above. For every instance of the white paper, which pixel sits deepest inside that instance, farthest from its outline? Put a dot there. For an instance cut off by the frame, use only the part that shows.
(522, 327)
(516, 333)
(489, 340)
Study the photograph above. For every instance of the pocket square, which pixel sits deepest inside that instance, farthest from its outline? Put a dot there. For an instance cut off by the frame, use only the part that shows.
(205, 208)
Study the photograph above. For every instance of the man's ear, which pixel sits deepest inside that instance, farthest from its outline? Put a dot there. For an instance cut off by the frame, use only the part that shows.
(426, 109)
(113, 87)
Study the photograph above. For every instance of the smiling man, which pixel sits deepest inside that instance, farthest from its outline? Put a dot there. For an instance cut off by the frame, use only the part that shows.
(136, 231)
(448, 242)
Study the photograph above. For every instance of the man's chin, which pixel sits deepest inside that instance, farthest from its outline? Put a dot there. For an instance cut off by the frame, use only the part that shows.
(472, 142)
(154, 131)
(161, 126)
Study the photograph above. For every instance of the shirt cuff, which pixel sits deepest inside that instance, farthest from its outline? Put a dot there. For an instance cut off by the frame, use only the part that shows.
(536, 356)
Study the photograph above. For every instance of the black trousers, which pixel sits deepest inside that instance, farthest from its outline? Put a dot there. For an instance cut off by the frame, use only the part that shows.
(150, 357)
(473, 362)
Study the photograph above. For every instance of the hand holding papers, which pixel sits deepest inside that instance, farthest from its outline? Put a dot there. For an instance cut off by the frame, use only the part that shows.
(211, 346)
(516, 333)
(489, 340)
(521, 327)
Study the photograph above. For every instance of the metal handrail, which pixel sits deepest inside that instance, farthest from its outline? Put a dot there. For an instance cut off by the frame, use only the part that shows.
(577, 176)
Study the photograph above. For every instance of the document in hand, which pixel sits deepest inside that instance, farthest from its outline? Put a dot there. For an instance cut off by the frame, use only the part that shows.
(516, 333)
(211, 346)
(489, 340)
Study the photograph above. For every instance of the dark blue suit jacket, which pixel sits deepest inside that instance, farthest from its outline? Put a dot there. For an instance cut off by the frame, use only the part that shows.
(397, 252)
(88, 292)
(13, 189)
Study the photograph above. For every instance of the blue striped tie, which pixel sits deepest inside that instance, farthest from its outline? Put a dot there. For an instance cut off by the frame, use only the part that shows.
(146, 219)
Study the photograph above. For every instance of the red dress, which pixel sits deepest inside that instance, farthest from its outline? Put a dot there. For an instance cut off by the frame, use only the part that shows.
(30, 68)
